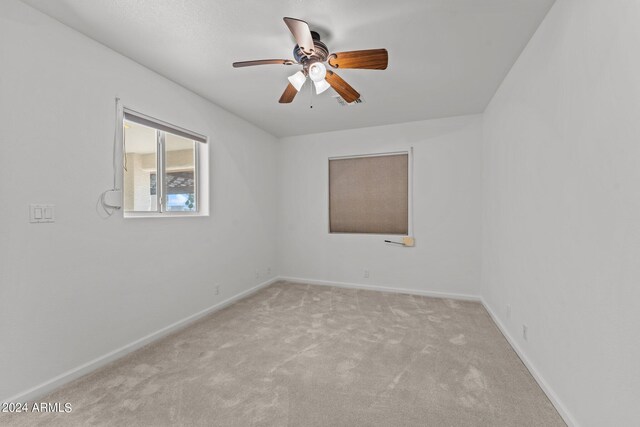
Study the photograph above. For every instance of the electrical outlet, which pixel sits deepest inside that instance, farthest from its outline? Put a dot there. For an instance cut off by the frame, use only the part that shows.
(217, 290)
(366, 274)
(269, 272)
(525, 332)
(508, 311)
(257, 274)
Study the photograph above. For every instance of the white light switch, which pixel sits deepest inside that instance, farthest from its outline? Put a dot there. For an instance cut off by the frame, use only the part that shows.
(42, 213)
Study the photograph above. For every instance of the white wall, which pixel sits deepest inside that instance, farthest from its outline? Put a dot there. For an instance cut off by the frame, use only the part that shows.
(561, 239)
(560, 207)
(77, 289)
(447, 174)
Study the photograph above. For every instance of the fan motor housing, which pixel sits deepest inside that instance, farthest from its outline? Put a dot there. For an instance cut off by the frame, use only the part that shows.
(320, 52)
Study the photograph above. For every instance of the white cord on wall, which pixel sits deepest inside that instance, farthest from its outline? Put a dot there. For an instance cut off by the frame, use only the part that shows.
(109, 208)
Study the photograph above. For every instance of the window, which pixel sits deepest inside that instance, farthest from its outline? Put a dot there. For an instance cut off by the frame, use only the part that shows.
(369, 194)
(161, 168)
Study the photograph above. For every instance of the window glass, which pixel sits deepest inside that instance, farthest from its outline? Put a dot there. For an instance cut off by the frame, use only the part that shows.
(141, 163)
(161, 168)
(180, 180)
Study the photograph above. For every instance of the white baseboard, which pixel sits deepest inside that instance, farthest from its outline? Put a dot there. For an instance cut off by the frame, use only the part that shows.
(50, 385)
(434, 294)
(553, 397)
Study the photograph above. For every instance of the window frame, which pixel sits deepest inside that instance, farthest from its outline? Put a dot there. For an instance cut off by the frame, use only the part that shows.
(162, 128)
(409, 153)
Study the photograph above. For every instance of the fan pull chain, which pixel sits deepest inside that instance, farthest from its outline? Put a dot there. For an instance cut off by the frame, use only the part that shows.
(310, 96)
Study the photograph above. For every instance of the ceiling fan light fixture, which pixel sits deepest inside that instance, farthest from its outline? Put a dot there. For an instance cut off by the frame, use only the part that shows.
(321, 86)
(317, 72)
(311, 53)
(297, 80)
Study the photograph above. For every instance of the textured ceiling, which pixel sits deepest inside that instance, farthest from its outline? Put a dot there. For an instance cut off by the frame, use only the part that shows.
(446, 57)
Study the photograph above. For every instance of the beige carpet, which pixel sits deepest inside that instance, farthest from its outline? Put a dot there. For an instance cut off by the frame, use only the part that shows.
(300, 355)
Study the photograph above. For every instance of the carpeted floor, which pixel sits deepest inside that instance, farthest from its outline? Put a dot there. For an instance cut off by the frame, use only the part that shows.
(300, 355)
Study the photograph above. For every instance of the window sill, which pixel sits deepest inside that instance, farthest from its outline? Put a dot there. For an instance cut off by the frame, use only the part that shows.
(136, 215)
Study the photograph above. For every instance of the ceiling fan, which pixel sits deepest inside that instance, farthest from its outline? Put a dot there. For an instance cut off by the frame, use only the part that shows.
(311, 53)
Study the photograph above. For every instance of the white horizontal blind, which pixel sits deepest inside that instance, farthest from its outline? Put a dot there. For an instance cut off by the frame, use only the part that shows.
(145, 120)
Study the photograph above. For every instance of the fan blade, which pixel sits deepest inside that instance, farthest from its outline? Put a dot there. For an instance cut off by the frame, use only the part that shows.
(289, 93)
(372, 59)
(301, 33)
(343, 88)
(263, 62)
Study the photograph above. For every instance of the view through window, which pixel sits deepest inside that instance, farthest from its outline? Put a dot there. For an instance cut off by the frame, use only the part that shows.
(161, 169)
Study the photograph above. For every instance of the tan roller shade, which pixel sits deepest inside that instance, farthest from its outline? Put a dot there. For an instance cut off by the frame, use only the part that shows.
(369, 194)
